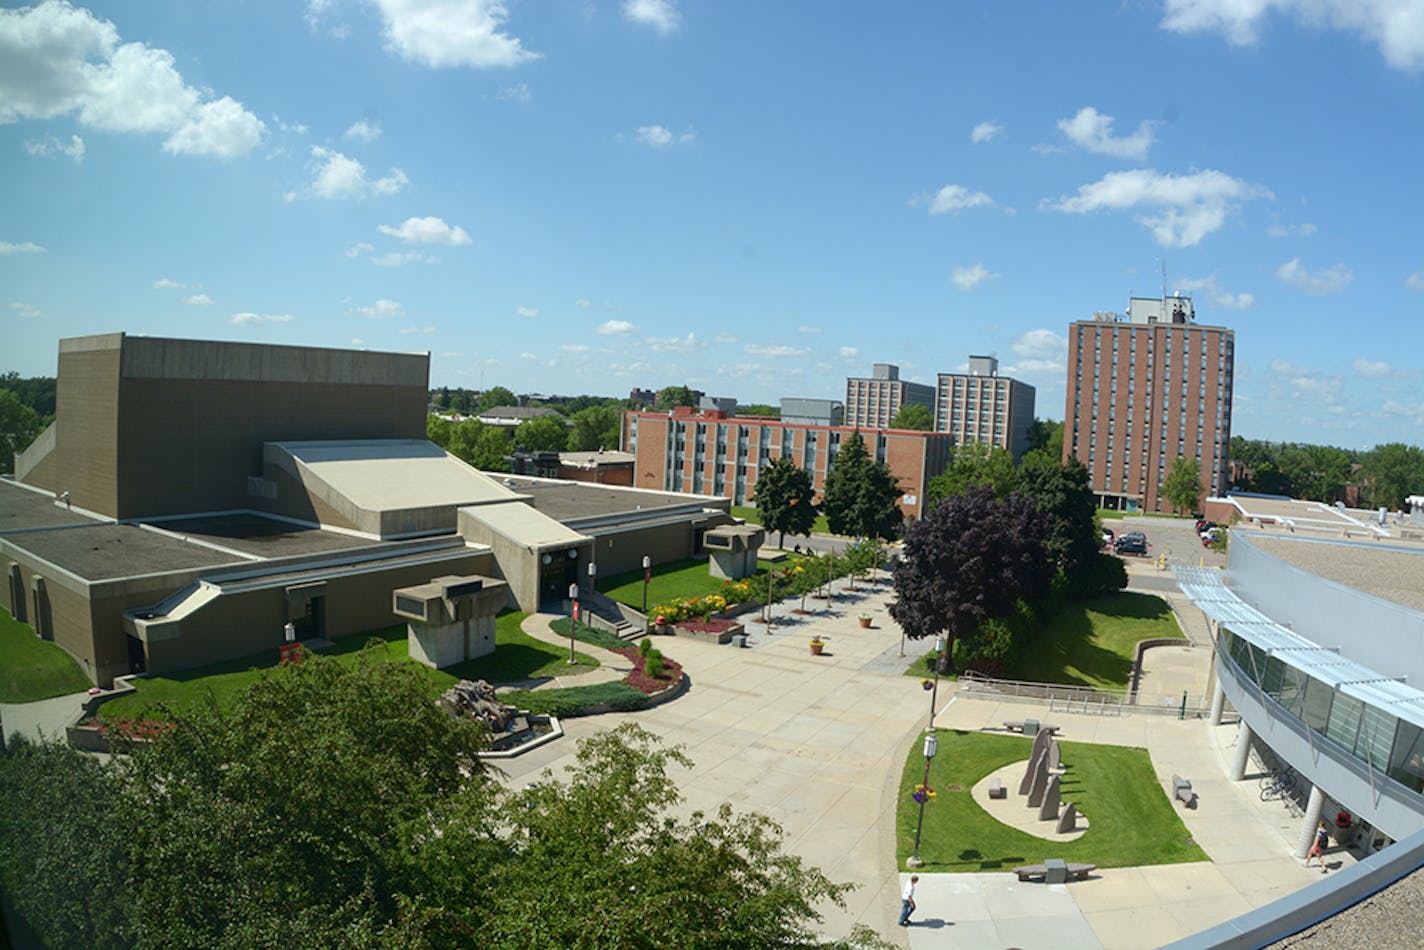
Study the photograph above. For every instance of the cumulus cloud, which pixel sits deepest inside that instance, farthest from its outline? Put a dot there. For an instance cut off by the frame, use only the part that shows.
(1290, 379)
(951, 199)
(340, 176)
(1371, 369)
(1414, 281)
(198, 300)
(260, 319)
(61, 60)
(574, 347)
(1332, 280)
(1290, 230)
(24, 311)
(24, 247)
(49, 145)
(363, 131)
(1092, 131)
(774, 351)
(428, 230)
(359, 248)
(1213, 292)
(382, 309)
(967, 278)
(985, 132)
(849, 353)
(1042, 345)
(676, 344)
(515, 92)
(614, 328)
(661, 15)
(1189, 207)
(397, 258)
(1395, 26)
(527, 312)
(440, 33)
(805, 330)
(583, 303)
(660, 135)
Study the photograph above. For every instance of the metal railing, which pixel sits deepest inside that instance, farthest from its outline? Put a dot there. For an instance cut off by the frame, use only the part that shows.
(1068, 698)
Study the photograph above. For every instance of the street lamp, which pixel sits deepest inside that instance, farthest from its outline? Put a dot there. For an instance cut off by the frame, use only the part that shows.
(934, 692)
(931, 744)
(647, 578)
(573, 618)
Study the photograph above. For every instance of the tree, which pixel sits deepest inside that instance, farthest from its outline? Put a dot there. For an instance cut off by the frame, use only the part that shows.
(759, 410)
(19, 425)
(1046, 434)
(542, 434)
(459, 401)
(498, 396)
(975, 465)
(971, 558)
(670, 397)
(596, 427)
(438, 430)
(783, 499)
(1182, 486)
(483, 446)
(913, 416)
(1394, 471)
(859, 496)
(37, 392)
(1062, 492)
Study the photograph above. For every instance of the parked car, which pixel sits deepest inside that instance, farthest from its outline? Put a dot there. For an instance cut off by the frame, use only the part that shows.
(1210, 536)
(1131, 545)
(1108, 537)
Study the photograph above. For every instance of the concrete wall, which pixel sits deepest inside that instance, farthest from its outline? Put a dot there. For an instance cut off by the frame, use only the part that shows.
(85, 458)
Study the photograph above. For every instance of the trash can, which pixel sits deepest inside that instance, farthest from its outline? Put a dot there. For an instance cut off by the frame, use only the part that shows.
(1030, 727)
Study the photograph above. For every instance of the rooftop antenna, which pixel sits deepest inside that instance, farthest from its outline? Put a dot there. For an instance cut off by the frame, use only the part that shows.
(1163, 262)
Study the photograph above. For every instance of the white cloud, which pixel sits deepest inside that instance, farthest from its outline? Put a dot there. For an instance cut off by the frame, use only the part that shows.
(849, 352)
(515, 92)
(1305, 381)
(661, 15)
(573, 348)
(1290, 230)
(49, 145)
(24, 247)
(1317, 283)
(428, 230)
(340, 176)
(382, 309)
(397, 258)
(659, 135)
(421, 331)
(439, 33)
(677, 344)
(1415, 281)
(951, 199)
(771, 351)
(967, 278)
(583, 303)
(260, 319)
(985, 132)
(1191, 206)
(61, 60)
(614, 328)
(163, 283)
(1371, 369)
(725, 338)
(359, 248)
(295, 128)
(1411, 411)
(805, 330)
(1042, 345)
(25, 312)
(363, 131)
(1241, 301)
(530, 312)
(198, 300)
(1093, 131)
(1214, 293)
(1395, 26)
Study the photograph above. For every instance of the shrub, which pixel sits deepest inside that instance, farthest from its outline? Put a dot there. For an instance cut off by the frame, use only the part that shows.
(653, 663)
(645, 646)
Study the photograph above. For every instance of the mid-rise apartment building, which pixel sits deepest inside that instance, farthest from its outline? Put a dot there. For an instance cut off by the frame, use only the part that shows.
(981, 406)
(714, 453)
(1142, 390)
(872, 401)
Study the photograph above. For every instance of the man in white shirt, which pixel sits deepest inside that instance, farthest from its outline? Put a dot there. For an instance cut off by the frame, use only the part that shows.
(907, 900)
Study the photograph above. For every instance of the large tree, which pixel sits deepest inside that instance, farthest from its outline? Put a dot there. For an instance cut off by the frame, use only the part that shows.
(913, 416)
(860, 494)
(970, 559)
(1394, 471)
(497, 396)
(975, 465)
(542, 434)
(1182, 487)
(483, 446)
(783, 499)
(19, 424)
(1046, 434)
(1061, 491)
(670, 397)
(596, 427)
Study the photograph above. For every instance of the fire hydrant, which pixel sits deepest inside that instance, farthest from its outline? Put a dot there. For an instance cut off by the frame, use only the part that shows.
(1161, 562)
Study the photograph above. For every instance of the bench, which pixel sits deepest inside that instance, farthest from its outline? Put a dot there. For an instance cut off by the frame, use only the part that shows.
(1018, 726)
(1061, 871)
(996, 788)
(1182, 791)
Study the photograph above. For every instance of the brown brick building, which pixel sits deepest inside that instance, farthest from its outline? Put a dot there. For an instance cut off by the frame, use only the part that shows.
(1142, 390)
(873, 401)
(714, 453)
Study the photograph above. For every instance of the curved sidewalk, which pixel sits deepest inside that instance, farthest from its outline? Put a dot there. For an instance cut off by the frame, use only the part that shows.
(612, 667)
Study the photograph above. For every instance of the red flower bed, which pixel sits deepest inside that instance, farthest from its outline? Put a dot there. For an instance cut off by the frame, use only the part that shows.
(641, 681)
(145, 729)
(710, 625)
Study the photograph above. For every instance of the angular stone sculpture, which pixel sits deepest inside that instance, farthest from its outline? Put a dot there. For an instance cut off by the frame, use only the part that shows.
(1055, 762)
(1041, 741)
(1068, 821)
(1027, 782)
(1039, 785)
(1048, 811)
(477, 700)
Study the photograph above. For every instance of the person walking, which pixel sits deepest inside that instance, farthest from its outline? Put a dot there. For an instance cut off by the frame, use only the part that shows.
(1317, 850)
(907, 900)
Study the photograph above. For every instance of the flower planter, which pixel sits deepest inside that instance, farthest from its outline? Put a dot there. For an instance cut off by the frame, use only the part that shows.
(816, 647)
(865, 622)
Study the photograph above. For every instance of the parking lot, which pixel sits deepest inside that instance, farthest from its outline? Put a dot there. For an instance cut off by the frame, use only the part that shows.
(1175, 537)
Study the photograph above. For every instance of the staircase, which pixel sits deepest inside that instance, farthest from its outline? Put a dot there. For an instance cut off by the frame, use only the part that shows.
(623, 622)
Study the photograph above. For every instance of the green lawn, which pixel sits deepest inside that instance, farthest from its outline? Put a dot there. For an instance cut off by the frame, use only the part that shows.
(1112, 514)
(1092, 642)
(517, 657)
(752, 516)
(1131, 823)
(31, 668)
(689, 577)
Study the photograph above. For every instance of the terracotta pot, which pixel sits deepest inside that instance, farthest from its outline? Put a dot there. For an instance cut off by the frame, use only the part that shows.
(865, 622)
(816, 648)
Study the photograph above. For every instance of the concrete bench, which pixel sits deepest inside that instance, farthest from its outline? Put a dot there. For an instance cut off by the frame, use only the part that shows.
(996, 789)
(1055, 871)
(1018, 726)
(1182, 791)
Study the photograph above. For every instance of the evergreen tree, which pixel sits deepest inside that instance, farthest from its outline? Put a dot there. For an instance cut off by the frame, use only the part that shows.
(860, 494)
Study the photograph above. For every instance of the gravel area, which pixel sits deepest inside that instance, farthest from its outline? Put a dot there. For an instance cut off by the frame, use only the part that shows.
(1390, 572)
(1392, 919)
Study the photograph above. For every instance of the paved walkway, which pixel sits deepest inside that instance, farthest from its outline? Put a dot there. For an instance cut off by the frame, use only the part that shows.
(611, 666)
(45, 719)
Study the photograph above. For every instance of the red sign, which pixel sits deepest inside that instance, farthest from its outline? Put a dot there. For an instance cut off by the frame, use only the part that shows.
(575, 611)
(290, 653)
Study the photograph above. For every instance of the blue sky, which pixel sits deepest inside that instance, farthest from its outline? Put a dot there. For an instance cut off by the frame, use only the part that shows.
(756, 199)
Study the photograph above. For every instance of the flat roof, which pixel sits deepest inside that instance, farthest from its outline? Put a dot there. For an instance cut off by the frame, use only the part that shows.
(570, 501)
(395, 474)
(1390, 570)
(264, 537)
(1305, 514)
(22, 509)
(595, 459)
(100, 552)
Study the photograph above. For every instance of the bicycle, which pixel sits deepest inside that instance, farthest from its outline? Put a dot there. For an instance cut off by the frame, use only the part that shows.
(1278, 785)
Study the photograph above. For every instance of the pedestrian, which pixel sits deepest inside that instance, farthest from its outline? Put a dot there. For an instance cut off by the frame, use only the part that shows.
(1317, 850)
(907, 900)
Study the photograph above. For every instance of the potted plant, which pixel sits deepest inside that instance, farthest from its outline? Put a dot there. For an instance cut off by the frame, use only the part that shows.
(817, 645)
(865, 620)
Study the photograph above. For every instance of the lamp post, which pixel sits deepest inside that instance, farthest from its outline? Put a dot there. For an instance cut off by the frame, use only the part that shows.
(573, 619)
(934, 692)
(931, 744)
(647, 579)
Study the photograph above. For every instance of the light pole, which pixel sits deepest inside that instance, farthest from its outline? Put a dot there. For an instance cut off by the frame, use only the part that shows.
(931, 744)
(934, 692)
(647, 579)
(573, 618)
